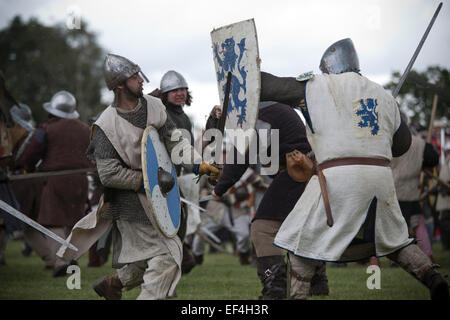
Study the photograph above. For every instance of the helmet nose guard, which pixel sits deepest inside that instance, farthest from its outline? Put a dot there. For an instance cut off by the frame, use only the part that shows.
(117, 69)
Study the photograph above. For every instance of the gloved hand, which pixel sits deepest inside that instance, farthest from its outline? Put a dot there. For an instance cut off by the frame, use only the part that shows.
(205, 168)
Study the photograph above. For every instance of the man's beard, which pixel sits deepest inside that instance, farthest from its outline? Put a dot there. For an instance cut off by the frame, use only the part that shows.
(128, 92)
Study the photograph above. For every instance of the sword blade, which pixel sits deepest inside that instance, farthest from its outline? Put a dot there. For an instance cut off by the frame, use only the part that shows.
(416, 53)
(19, 215)
(209, 234)
(205, 198)
(191, 204)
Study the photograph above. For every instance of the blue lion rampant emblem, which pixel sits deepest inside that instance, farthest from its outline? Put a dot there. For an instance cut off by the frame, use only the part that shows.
(231, 61)
(369, 115)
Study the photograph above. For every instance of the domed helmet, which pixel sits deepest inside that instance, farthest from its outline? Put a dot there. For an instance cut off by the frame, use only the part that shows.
(172, 80)
(340, 57)
(63, 104)
(22, 115)
(117, 69)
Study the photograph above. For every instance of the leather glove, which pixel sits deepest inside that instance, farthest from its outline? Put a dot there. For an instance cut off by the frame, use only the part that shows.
(208, 169)
(299, 167)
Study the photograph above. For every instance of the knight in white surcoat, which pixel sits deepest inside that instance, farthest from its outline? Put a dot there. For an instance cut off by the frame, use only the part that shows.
(349, 210)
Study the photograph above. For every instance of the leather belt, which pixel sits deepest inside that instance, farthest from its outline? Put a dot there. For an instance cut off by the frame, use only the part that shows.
(342, 162)
(354, 161)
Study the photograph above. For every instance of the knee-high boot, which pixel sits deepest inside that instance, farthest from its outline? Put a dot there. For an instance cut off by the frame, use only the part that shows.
(319, 282)
(272, 273)
(416, 262)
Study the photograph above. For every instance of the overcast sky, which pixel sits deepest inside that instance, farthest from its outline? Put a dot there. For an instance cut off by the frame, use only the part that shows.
(175, 35)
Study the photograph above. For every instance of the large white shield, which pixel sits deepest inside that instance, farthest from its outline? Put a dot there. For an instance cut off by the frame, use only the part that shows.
(235, 51)
(165, 207)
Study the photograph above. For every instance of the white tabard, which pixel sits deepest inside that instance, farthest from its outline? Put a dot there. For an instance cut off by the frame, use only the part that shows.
(351, 116)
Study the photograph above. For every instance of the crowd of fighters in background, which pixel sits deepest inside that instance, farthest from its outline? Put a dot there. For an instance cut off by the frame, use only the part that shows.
(262, 216)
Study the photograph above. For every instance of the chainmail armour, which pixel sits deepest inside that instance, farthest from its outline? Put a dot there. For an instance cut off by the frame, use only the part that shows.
(124, 204)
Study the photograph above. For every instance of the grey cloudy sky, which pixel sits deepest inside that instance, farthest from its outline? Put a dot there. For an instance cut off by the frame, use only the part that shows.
(292, 35)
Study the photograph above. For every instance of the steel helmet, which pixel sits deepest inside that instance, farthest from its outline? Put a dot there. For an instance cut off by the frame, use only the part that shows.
(117, 69)
(22, 115)
(340, 57)
(172, 80)
(63, 104)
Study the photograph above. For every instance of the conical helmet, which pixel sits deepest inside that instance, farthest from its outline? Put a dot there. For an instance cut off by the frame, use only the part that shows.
(63, 104)
(340, 57)
(172, 80)
(117, 69)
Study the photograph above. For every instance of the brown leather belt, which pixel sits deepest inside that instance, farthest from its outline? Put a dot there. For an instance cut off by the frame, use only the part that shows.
(354, 161)
(342, 162)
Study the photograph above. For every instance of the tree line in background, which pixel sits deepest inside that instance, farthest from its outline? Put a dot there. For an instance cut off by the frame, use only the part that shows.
(38, 60)
(417, 94)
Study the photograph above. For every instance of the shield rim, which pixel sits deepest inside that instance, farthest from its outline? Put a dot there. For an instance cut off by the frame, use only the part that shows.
(147, 184)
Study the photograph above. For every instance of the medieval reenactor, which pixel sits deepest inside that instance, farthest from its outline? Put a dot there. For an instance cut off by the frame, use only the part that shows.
(406, 170)
(174, 94)
(141, 253)
(28, 191)
(354, 129)
(279, 199)
(14, 135)
(60, 144)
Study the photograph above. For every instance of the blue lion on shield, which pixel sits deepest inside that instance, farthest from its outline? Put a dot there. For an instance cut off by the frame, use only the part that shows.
(231, 61)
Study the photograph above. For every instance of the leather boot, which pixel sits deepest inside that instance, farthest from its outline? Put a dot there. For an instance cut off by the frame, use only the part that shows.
(437, 284)
(417, 263)
(188, 262)
(319, 282)
(61, 270)
(272, 273)
(109, 287)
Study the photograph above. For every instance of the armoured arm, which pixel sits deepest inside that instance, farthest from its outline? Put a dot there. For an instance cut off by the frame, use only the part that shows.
(112, 172)
(285, 90)
(401, 140)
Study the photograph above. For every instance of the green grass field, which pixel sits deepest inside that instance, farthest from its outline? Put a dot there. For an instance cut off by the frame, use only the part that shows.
(220, 277)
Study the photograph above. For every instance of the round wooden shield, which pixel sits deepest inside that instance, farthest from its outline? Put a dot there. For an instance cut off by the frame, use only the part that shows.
(165, 209)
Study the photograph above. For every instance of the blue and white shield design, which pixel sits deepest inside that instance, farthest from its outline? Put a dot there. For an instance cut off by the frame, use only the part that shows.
(164, 205)
(235, 50)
